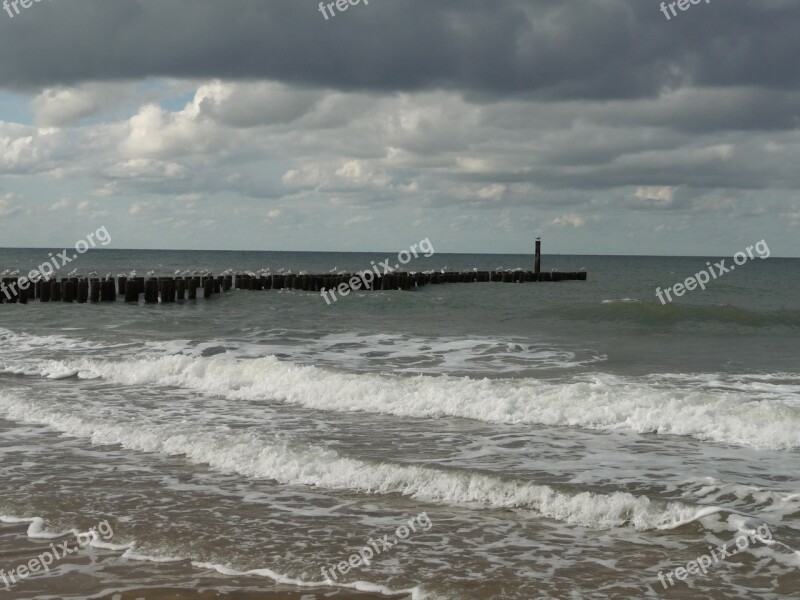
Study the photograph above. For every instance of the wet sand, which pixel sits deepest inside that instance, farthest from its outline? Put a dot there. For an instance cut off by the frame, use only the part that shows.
(105, 575)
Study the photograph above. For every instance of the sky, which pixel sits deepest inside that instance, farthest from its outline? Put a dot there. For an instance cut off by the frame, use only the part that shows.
(600, 125)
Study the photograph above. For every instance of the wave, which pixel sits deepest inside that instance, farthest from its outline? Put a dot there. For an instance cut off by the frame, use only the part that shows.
(780, 505)
(743, 410)
(251, 455)
(359, 351)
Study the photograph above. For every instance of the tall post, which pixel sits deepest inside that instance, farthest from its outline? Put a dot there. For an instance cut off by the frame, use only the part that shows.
(537, 265)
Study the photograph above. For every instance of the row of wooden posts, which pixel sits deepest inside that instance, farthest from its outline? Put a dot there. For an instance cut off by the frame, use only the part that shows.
(82, 290)
(173, 289)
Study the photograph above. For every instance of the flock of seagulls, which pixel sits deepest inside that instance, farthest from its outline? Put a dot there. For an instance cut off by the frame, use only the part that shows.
(230, 271)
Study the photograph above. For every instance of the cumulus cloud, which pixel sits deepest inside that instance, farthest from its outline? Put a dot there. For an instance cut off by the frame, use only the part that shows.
(570, 220)
(512, 118)
(61, 204)
(8, 207)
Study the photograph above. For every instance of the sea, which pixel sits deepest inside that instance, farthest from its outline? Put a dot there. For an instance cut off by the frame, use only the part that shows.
(510, 441)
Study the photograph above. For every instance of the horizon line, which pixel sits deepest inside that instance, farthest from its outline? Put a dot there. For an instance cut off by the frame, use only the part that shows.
(385, 252)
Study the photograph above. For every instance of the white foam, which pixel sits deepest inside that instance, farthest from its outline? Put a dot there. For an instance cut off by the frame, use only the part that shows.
(37, 531)
(251, 455)
(779, 504)
(96, 543)
(598, 401)
(15, 520)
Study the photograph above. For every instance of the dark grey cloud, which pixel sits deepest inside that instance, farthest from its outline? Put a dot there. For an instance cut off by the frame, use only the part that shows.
(548, 48)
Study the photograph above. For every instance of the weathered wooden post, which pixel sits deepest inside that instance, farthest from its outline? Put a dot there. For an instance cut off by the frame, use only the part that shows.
(44, 291)
(131, 291)
(163, 289)
(151, 291)
(107, 290)
(180, 284)
(55, 290)
(94, 290)
(537, 263)
(83, 291)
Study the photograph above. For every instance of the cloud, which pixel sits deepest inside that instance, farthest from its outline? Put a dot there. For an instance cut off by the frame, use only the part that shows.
(61, 204)
(107, 190)
(556, 50)
(359, 220)
(792, 217)
(535, 113)
(63, 106)
(570, 220)
(8, 208)
(652, 197)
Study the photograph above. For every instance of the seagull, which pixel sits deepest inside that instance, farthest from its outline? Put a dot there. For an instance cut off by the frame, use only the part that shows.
(109, 277)
(151, 273)
(582, 269)
(14, 273)
(4, 273)
(333, 270)
(177, 272)
(92, 274)
(553, 270)
(499, 268)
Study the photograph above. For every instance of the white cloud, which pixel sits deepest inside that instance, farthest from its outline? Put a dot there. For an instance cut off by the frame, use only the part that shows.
(109, 189)
(8, 208)
(252, 104)
(658, 196)
(570, 220)
(61, 204)
(492, 192)
(60, 107)
(359, 220)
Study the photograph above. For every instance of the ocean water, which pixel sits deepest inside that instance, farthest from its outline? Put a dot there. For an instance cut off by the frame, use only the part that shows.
(564, 440)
